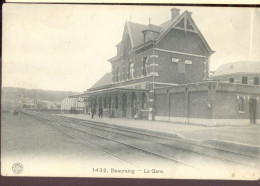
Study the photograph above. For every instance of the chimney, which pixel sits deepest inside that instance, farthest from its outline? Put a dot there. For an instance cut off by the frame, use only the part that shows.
(175, 13)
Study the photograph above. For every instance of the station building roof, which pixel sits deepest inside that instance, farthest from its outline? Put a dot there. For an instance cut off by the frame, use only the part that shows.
(103, 81)
(136, 31)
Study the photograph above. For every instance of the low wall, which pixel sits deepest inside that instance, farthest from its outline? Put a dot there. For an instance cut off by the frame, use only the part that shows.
(207, 103)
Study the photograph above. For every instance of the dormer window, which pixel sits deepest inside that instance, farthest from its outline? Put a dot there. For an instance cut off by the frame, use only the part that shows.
(149, 35)
(151, 32)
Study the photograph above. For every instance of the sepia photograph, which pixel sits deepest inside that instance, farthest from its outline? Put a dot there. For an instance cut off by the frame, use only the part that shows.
(130, 91)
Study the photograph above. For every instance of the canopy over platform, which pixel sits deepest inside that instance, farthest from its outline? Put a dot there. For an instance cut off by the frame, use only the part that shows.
(115, 89)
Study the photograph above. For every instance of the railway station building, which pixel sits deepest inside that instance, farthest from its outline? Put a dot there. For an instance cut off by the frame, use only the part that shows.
(161, 72)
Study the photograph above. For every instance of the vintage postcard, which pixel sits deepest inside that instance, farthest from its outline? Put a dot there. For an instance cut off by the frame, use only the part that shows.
(127, 91)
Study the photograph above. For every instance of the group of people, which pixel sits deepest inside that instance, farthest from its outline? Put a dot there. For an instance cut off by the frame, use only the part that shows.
(137, 115)
(100, 112)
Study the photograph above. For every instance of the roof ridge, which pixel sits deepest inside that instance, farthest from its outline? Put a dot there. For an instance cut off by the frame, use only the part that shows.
(146, 25)
(153, 25)
(238, 67)
(245, 61)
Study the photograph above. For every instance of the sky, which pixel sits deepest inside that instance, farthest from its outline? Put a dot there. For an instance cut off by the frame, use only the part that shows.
(67, 47)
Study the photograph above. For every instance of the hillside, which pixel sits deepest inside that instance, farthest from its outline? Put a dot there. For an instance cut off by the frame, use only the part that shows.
(11, 95)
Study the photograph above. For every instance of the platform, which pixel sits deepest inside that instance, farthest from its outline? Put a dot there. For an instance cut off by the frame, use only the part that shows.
(244, 135)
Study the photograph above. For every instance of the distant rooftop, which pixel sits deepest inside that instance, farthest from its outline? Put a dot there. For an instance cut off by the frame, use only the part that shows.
(238, 67)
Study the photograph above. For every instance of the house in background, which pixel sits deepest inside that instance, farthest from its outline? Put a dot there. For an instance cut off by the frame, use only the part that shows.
(72, 104)
(242, 72)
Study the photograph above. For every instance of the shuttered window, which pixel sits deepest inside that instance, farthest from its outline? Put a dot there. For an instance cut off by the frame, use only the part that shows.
(181, 67)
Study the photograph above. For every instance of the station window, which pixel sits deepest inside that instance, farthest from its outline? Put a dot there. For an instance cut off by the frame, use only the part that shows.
(123, 71)
(256, 80)
(231, 80)
(244, 80)
(131, 70)
(117, 74)
(241, 104)
(144, 66)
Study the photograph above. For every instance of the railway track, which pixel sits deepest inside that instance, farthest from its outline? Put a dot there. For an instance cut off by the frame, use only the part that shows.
(179, 144)
(141, 141)
(73, 132)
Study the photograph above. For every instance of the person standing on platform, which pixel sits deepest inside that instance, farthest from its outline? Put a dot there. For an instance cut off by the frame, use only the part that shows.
(93, 110)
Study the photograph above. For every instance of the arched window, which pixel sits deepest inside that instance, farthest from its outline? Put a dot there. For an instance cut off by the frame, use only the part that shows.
(131, 70)
(145, 66)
